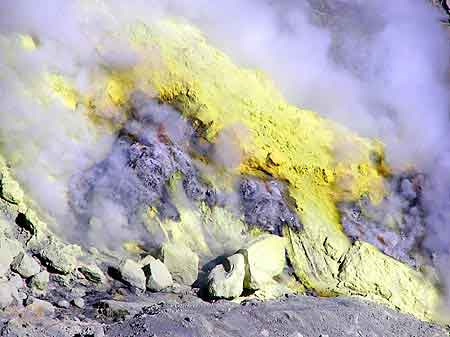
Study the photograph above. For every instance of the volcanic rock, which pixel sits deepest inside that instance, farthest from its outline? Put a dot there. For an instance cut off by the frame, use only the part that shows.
(7, 294)
(264, 206)
(78, 302)
(182, 263)
(60, 257)
(40, 281)
(93, 273)
(158, 276)
(265, 259)
(25, 265)
(9, 249)
(41, 308)
(132, 274)
(227, 280)
(63, 304)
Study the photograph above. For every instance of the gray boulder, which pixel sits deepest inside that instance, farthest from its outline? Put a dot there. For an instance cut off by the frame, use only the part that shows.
(60, 257)
(40, 281)
(158, 276)
(182, 263)
(7, 294)
(9, 249)
(25, 265)
(132, 274)
(93, 273)
(265, 258)
(227, 280)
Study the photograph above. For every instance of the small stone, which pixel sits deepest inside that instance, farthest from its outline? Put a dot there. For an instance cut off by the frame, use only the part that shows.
(158, 276)
(182, 263)
(296, 334)
(63, 280)
(41, 307)
(78, 302)
(21, 296)
(93, 273)
(40, 281)
(265, 258)
(63, 304)
(78, 292)
(25, 265)
(227, 280)
(132, 274)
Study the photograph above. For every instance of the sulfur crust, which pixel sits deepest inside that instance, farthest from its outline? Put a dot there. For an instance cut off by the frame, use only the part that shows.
(293, 145)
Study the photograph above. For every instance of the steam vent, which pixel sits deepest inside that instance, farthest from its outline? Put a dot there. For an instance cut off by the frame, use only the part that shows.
(163, 173)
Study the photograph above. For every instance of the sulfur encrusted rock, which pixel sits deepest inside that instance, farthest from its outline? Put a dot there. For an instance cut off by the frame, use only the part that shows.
(9, 249)
(368, 272)
(78, 302)
(132, 273)
(60, 257)
(93, 273)
(265, 259)
(40, 281)
(158, 276)
(227, 280)
(181, 261)
(25, 265)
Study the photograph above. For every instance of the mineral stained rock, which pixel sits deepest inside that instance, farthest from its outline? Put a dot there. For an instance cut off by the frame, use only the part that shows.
(265, 258)
(41, 308)
(60, 257)
(182, 263)
(25, 265)
(93, 273)
(132, 273)
(396, 226)
(158, 276)
(265, 206)
(227, 280)
(40, 281)
(321, 162)
(9, 249)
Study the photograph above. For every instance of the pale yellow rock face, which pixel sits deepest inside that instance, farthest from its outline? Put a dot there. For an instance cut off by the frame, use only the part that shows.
(132, 273)
(181, 261)
(158, 276)
(227, 280)
(386, 279)
(265, 259)
(9, 249)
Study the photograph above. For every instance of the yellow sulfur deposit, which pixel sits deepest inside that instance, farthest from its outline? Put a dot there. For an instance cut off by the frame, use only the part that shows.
(322, 163)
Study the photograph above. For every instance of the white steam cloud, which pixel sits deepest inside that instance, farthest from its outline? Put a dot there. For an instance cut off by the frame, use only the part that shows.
(379, 67)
